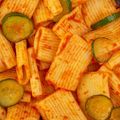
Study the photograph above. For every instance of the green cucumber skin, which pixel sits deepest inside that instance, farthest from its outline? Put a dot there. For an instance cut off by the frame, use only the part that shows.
(15, 14)
(94, 52)
(15, 102)
(105, 21)
(103, 96)
(69, 4)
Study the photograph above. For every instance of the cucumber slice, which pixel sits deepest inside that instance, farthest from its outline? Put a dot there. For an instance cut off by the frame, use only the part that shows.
(101, 49)
(10, 92)
(99, 107)
(16, 26)
(115, 115)
(105, 21)
(67, 7)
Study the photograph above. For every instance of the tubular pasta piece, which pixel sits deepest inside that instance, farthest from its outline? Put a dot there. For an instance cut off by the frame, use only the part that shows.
(22, 111)
(114, 84)
(23, 69)
(47, 44)
(73, 53)
(7, 55)
(26, 7)
(42, 13)
(71, 23)
(35, 82)
(93, 83)
(54, 6)
(96, 10)
(61, 105)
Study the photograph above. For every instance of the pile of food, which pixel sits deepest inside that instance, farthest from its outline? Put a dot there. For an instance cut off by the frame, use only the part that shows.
(59, 60)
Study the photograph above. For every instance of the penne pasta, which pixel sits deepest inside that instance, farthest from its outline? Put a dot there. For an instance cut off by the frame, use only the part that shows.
(35, 82)
(42, 13)
(26, 97)
(73, 53)
(7, 55)
(26, 7)
(93, 83)
(95, 10)
(47, 44)
(61, 105)
(54, 6)
(43, 65)
(22, 111)
(23, 68)
(71, 23)
(8, 74)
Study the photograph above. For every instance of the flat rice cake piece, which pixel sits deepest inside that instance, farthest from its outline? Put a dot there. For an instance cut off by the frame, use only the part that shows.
(96, 10)
(22, 111)
(26, 7)
(71, 61)
(61, 105)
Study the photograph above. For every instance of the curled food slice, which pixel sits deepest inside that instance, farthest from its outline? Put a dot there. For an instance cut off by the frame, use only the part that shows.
(16, 26)
(10, 92)
(115, 115)
(99, 107)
